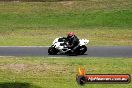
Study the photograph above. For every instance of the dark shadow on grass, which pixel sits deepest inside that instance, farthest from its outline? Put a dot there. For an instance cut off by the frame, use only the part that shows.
(17, 85)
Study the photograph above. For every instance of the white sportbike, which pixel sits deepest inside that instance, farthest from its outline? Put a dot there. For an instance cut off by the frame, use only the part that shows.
(59, 46)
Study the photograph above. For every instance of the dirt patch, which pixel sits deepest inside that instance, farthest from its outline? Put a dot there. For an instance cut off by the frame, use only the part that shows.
(48, 68)
(67, 3)
(14, 67)
(36, 68)
(37, 0)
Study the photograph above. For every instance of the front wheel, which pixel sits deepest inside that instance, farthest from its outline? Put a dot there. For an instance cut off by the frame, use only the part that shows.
(52, 51)
(82, 49)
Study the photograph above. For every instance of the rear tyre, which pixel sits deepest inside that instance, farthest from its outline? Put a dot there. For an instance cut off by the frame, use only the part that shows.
(52, 51)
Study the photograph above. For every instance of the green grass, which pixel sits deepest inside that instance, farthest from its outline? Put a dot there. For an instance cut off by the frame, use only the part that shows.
(44, 72)
(39, 37)
(103, 22)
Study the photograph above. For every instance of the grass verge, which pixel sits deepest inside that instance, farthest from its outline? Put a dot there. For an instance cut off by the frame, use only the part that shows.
(51, 72)
(44, 37)
(103, 22)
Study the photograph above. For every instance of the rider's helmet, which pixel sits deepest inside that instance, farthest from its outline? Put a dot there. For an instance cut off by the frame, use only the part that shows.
(70, 34)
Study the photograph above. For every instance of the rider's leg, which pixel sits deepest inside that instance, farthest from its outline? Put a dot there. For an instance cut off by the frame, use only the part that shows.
(75, 48)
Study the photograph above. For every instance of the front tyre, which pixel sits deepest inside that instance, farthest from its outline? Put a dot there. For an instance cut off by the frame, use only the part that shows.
(82, 49)
(52, 51)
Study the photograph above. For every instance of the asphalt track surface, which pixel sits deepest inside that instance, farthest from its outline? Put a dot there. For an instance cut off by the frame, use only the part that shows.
(93, 51)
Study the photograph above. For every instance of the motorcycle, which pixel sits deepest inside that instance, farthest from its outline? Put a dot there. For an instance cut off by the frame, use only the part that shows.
(60, 46)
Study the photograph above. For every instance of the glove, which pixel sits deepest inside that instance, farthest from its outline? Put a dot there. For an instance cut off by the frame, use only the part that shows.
(68, 46)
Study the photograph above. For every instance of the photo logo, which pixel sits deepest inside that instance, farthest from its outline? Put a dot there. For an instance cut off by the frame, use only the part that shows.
(83, 78)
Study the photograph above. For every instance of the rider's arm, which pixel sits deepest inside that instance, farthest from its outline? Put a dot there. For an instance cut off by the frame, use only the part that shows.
(75, 42)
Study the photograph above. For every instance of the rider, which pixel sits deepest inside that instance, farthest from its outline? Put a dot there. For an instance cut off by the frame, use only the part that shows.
(73, 41)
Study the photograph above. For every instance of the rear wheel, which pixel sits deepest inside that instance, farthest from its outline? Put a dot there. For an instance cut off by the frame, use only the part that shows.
(52, 51)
